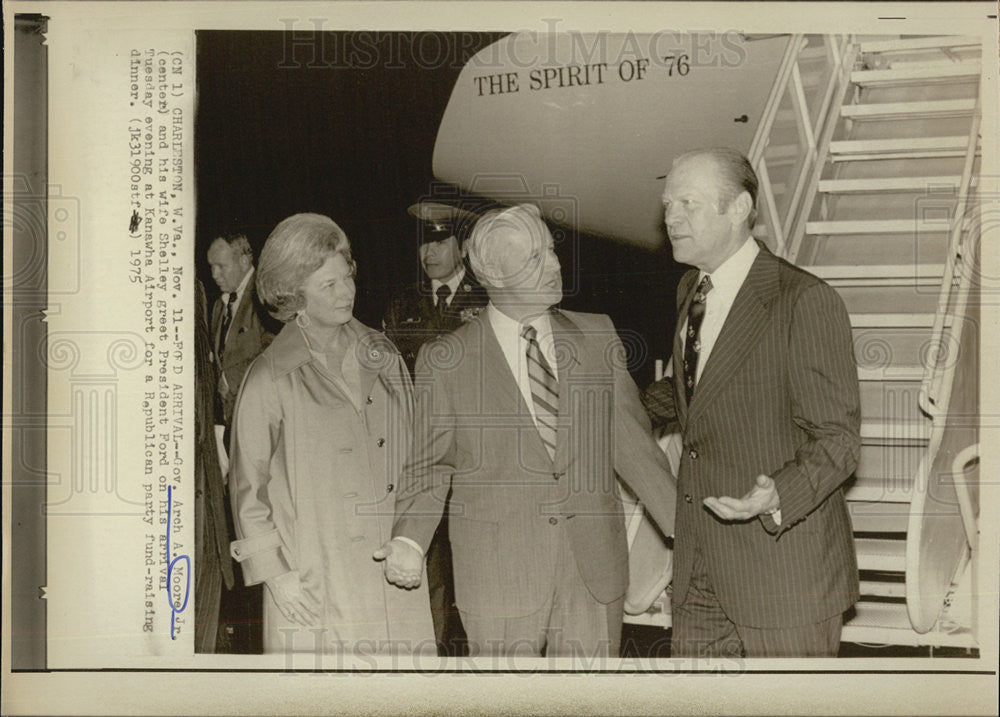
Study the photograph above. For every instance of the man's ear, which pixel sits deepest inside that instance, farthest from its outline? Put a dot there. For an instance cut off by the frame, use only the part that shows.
(740, 208)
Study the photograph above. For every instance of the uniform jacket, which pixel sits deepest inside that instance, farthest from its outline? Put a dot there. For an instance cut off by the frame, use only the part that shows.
(778, 396)
(250, 332)
(314, 469)
(412, 319)
(474, 433)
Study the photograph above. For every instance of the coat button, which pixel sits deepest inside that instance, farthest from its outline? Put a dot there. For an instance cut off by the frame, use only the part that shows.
(388, 488)
(553, 521)
(687, 498)
(693, 454)
(369, 400)
(380, 442)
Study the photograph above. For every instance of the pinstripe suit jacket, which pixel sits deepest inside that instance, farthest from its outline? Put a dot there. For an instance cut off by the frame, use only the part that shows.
(778, 396)
(473, 433)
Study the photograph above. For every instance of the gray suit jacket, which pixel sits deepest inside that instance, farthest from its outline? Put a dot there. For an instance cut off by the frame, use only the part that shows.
(250, 332)
(474, 433)
(779, 396)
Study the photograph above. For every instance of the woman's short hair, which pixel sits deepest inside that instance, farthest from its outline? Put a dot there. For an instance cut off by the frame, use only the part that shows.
(297, 247)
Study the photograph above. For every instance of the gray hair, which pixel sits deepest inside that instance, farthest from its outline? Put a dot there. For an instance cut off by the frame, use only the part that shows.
(297, 247)
(736, 173)
(484, 250)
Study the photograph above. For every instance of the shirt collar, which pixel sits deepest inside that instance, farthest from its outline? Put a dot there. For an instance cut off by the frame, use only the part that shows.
(453, 283)
(505, 325)
(730, 275)
(241, 289)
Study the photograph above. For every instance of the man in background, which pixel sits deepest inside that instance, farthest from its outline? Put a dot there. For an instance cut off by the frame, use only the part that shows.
(447, 296)
(241, 327)
(240, 330)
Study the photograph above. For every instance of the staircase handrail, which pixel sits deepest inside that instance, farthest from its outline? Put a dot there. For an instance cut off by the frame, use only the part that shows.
(935, 387)
(839, 86)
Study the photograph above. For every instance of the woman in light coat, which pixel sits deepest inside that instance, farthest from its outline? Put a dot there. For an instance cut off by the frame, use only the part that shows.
(320, 433)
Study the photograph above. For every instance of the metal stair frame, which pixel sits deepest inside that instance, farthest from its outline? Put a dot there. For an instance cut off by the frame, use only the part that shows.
(788, 232)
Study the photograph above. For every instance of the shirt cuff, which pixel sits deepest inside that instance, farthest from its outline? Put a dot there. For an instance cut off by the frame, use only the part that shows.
(411, 543)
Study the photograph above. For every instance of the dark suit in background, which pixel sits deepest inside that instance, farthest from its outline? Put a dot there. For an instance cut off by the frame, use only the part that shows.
(412, 318)
(250, 332)
(213, 564)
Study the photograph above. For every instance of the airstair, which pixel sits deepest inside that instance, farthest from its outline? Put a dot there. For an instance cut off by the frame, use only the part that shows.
(868, 156)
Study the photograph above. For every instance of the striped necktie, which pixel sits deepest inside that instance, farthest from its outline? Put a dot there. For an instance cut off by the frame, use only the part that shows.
(544, 391)
(692, 345)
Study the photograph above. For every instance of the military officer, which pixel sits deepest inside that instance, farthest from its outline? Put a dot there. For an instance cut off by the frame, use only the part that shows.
(447, 296)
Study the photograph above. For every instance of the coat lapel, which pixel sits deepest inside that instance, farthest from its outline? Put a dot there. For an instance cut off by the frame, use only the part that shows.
(743, 328)
(500, 387)
(566, 339)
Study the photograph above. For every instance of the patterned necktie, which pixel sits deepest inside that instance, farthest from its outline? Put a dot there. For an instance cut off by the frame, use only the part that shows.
(544, 391)
(227, 319)
(692, 344)
(443, 292)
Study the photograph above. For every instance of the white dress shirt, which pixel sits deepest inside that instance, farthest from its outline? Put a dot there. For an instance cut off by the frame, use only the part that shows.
(453, 283)
(726, 282)
(515, 347)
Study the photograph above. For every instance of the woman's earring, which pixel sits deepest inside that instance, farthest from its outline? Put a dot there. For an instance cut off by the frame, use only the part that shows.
(302, 320)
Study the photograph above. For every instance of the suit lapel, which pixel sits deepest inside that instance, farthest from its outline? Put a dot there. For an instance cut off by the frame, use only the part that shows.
(743, 328)
(216, 327)
(500, 389)
(241, 322)
(566, 340)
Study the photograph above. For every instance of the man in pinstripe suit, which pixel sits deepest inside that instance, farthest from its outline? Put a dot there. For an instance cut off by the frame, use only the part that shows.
(765, 390)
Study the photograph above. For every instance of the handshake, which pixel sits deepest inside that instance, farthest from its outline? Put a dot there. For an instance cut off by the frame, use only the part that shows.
(403, 563)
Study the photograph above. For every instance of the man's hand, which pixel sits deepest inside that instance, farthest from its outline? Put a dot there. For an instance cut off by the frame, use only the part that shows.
(763, 498)
(404, 565)
(293, 603)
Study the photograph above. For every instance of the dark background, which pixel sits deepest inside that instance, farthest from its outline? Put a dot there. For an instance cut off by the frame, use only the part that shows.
(344, 124)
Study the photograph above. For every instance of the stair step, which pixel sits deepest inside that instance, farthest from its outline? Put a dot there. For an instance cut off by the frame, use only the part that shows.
(920, 43)
(905, 75)
(883, 489)
(888, 623)
(878, 226)
(879, 516)
(908, 110)
(881, 554)
(891, 184)
(909, 148)
(895, 432)
(900, 321)
(879, 588)
(877, 274)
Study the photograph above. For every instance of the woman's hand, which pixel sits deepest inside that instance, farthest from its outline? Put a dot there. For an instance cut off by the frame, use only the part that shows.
(287, 592)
